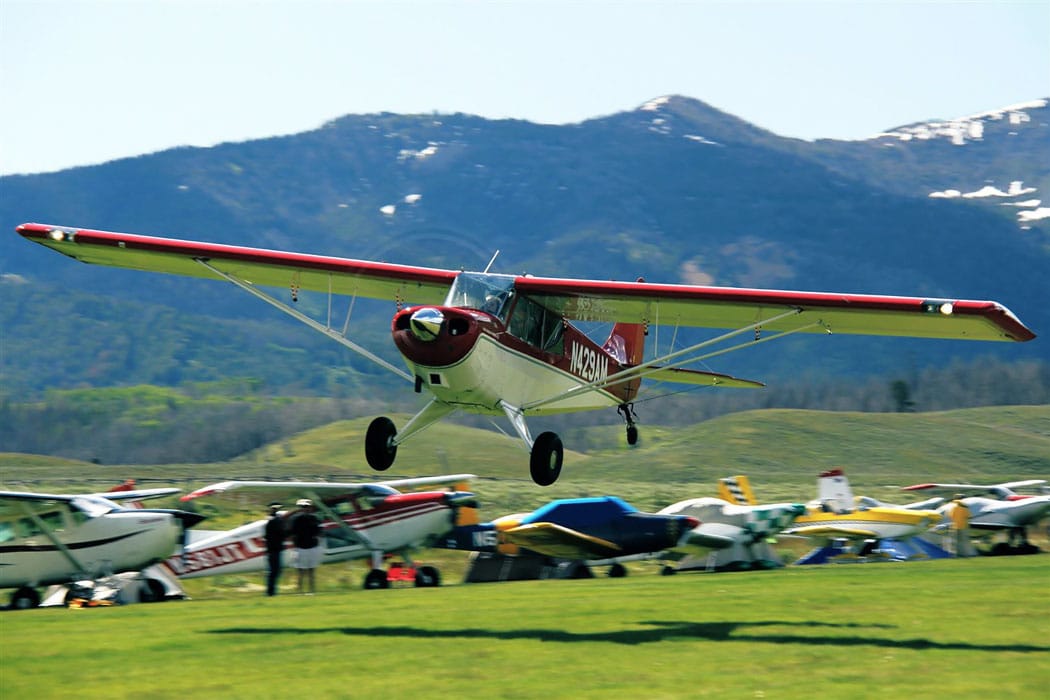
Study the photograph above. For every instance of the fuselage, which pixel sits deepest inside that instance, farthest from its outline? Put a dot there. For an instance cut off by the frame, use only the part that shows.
(486, 345)
(885, 522)
(122, 540)
(396, 523)
(993, 514)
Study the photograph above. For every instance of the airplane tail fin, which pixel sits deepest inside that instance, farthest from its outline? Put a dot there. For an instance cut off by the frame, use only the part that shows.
(833, 490)
(737, 490)
(626, 343)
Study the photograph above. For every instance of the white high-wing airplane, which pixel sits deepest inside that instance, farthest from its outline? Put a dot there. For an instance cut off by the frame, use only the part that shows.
(734, 531)
(503, 345)
(359, 520)
(48, 538)
(1007, 511)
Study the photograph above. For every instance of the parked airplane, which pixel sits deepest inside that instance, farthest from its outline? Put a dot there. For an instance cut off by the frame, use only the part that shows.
(1007, 511)
(360, 521)
(503, 345)
(837, 515)
(744, 528)
(48, 538)
(583, 532)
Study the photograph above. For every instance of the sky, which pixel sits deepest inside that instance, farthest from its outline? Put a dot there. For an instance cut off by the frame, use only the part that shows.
(87, 81)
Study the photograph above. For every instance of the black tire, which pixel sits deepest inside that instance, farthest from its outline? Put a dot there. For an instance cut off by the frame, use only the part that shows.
(379, 452)
(376, 578)
(545, 460)
(427, 577)
(152, 591)
(617, 570)
(25, 598)
(632, 434)
(667, 571)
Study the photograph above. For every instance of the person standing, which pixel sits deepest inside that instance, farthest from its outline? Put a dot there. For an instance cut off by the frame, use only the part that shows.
(305, 529)
(275, 537)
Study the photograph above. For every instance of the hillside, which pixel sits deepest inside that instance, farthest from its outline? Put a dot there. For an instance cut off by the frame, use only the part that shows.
(675, 191)
(781, 450)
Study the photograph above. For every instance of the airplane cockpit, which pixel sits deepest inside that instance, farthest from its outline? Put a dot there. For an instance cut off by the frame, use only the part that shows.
(482, 291)
(495, 295)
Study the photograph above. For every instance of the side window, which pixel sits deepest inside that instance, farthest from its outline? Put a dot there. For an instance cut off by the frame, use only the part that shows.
(7, 532)
(537, 326)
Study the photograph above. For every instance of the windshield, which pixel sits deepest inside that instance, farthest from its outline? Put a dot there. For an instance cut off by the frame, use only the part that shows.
(489, 293)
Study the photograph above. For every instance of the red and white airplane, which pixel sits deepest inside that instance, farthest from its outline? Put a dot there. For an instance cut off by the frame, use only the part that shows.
(504, 345)
(359, 521)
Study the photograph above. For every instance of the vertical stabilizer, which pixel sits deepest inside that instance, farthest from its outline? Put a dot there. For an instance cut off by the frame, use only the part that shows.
(833, 491)
(736, 490)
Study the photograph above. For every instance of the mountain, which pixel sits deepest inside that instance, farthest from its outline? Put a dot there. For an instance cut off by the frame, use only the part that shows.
(675, 191)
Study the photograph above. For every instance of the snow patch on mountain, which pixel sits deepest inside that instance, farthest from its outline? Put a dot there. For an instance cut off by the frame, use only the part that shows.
(964, 129)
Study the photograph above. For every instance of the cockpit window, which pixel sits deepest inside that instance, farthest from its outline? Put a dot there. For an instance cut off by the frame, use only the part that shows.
(484, 292)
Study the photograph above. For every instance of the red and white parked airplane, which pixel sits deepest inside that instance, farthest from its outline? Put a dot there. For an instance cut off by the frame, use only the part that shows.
(359, 521)
(503, 344)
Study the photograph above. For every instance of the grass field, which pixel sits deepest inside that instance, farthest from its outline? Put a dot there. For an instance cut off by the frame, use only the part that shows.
(950, 628)
(953, 628)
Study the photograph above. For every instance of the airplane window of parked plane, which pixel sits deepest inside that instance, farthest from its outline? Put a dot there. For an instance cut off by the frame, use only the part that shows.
(27, 527)
(7, 532)
(54, 520)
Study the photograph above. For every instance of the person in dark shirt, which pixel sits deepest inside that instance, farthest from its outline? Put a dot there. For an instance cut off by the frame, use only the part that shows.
(275, 537)
(305, 528)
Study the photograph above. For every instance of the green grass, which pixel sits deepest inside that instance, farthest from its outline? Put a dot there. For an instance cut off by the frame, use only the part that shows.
(952, 628)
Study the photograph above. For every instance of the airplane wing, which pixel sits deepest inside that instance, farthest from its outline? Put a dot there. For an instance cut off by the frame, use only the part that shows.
(260, 267)
(137, 494)
(287, 492)
(829, 530)
(556, 541)
(592, 300)
(980, 489)
(818, 312)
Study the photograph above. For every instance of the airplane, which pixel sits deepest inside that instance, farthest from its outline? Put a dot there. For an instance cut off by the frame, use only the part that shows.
(48, 538)
(503, 345)
(579, 533)
(735, 518)
(836, 516)
(359, 520)
(1006, 511)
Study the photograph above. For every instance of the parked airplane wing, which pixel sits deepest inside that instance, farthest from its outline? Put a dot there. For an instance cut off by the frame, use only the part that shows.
(287, 492)
(556, 541)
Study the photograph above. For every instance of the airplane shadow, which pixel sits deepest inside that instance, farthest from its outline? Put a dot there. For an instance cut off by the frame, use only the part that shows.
(660, 631)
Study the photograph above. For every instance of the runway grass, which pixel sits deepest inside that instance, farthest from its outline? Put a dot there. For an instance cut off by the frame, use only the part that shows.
(949, 628)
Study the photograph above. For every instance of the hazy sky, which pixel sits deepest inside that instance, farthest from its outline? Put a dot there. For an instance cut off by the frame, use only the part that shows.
(85, 81)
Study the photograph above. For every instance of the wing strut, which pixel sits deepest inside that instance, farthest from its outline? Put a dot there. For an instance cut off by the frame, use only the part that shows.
(303, 318)
(650, 367)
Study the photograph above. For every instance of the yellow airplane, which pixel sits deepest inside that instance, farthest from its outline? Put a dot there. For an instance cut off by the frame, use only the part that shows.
(837, 515)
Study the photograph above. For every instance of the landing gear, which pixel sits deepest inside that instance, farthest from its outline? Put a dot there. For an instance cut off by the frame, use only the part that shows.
(627, 411)
(545, 459)
(24, 598)
(376, 578)
(427, 577)
(379, 450)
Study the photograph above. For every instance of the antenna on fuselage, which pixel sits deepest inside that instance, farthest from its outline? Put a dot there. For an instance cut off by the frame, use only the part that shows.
(491, 261)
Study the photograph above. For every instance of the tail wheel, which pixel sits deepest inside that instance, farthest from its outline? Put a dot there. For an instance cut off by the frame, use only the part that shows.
(545, 460)
(427, 577)
(379, 450)
(376, 578)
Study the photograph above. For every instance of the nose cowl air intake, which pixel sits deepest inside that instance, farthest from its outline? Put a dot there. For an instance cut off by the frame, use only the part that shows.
(426, 323)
